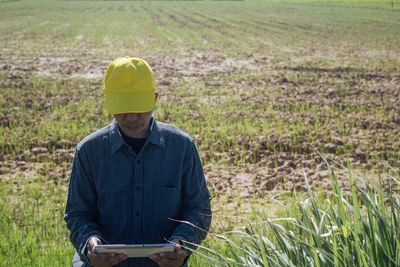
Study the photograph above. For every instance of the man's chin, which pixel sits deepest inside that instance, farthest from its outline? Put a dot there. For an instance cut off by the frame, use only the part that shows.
(131, 128)
(132, 132)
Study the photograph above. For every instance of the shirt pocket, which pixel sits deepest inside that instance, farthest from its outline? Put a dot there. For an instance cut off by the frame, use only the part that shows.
(167, 203)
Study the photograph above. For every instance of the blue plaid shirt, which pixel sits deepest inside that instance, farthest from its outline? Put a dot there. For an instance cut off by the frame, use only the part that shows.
(128, 198)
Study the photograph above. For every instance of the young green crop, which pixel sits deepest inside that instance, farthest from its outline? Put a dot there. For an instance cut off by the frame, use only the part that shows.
(32, 231)
(257, 84)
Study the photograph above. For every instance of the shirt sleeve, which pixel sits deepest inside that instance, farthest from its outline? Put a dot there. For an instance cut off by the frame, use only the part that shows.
(81, 211)
(196, 202)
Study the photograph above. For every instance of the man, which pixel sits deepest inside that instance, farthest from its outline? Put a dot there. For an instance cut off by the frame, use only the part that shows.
(136, 181)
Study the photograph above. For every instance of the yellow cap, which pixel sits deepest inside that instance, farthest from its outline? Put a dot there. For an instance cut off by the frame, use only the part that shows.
(129, 86)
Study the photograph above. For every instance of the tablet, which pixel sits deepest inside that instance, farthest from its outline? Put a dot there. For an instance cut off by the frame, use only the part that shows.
(135, 251)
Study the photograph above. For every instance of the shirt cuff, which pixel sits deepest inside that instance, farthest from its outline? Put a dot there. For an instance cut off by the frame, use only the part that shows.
(83, 251)
(184, 245)
(187, 246)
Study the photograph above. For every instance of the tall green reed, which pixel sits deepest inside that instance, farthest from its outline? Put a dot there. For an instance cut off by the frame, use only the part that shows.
(355, 228)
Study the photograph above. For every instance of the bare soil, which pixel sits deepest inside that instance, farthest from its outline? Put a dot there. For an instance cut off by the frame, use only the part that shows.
(366, 99)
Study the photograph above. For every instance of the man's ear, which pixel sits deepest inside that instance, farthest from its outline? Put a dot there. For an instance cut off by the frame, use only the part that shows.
(155, 100)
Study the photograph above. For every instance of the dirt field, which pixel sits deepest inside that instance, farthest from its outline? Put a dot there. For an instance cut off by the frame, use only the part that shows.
(260, 87)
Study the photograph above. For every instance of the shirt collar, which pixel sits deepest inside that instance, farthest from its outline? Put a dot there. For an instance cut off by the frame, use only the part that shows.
(155, 136)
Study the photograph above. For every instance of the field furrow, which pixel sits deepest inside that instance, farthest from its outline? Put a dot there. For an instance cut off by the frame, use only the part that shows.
(259, 85)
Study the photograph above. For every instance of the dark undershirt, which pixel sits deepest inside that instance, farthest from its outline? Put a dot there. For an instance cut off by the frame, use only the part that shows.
(135, 143)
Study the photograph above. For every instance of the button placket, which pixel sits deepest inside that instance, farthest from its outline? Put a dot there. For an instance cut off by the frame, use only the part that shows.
(138, 196)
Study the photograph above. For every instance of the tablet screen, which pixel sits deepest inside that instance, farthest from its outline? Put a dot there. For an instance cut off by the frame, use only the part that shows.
(135, 251)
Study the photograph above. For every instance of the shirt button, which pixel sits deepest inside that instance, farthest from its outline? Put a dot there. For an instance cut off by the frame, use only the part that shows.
(138, 162)
(137, 213)
(137, 187)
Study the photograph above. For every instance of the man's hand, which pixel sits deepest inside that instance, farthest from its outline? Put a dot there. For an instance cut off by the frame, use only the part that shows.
(170, 259)
(102, 259)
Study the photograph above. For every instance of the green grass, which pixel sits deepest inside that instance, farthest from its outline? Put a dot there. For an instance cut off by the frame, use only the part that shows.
(360, 229)
(32, 231)
(257, 84)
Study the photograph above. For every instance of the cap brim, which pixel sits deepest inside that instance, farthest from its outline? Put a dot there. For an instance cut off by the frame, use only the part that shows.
(130, 103)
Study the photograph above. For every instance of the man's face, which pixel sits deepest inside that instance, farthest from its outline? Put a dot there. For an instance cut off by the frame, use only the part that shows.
(135, 125)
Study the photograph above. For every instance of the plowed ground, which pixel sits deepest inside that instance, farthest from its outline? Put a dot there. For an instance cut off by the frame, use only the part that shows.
(261, 87)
